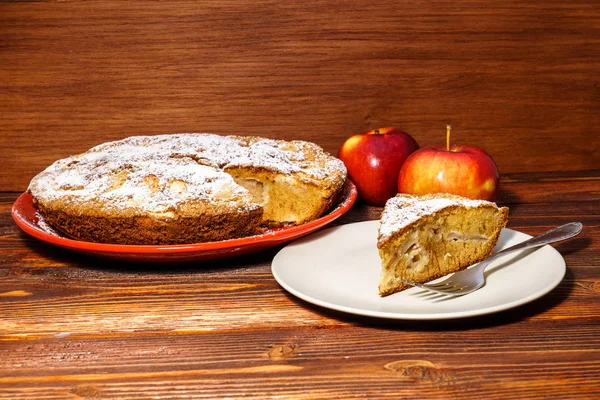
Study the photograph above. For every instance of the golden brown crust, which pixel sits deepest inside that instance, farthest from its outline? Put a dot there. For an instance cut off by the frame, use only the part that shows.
(149, 230)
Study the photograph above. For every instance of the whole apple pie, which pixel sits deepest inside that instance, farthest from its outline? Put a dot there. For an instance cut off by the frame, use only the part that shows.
(186, 188)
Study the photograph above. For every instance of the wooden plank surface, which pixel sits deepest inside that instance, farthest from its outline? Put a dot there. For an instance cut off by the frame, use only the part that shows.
(519, 79)
(78, 327)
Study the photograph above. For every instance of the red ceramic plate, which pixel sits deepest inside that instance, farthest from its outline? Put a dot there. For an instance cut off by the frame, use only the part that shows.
(27, 218)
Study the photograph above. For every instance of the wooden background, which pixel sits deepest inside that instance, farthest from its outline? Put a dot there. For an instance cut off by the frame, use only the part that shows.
(520, 79)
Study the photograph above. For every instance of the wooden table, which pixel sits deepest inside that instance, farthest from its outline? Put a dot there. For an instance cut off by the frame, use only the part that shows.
(79, 327)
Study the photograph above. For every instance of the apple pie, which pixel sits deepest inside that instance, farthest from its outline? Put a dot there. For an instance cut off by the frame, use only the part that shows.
(422, 238)
(186, 188)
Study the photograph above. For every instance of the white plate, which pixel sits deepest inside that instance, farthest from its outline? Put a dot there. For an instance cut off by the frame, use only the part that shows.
(338, 268)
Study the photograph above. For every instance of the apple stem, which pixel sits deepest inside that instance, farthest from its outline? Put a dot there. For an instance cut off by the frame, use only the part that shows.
(377, 132)
(448, 128)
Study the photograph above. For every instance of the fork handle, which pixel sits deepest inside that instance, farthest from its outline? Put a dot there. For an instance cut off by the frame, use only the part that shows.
(563, 232)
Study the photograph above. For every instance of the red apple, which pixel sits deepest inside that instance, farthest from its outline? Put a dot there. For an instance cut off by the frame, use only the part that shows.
(458, 169)
(373, 160)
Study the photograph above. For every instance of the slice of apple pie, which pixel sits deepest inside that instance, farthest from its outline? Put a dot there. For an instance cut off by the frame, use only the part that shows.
(422, 238)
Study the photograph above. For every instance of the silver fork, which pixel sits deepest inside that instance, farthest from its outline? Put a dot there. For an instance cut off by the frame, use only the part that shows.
(471, 279)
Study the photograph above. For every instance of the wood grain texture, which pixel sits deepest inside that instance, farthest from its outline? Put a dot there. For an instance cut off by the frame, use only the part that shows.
(519, 79)
(78, 327)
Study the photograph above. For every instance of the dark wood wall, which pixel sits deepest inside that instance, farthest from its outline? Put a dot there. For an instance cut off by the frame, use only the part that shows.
(518, 78)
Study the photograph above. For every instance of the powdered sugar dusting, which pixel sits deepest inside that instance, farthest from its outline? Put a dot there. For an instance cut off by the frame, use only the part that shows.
(404, 209)
(157, 173)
